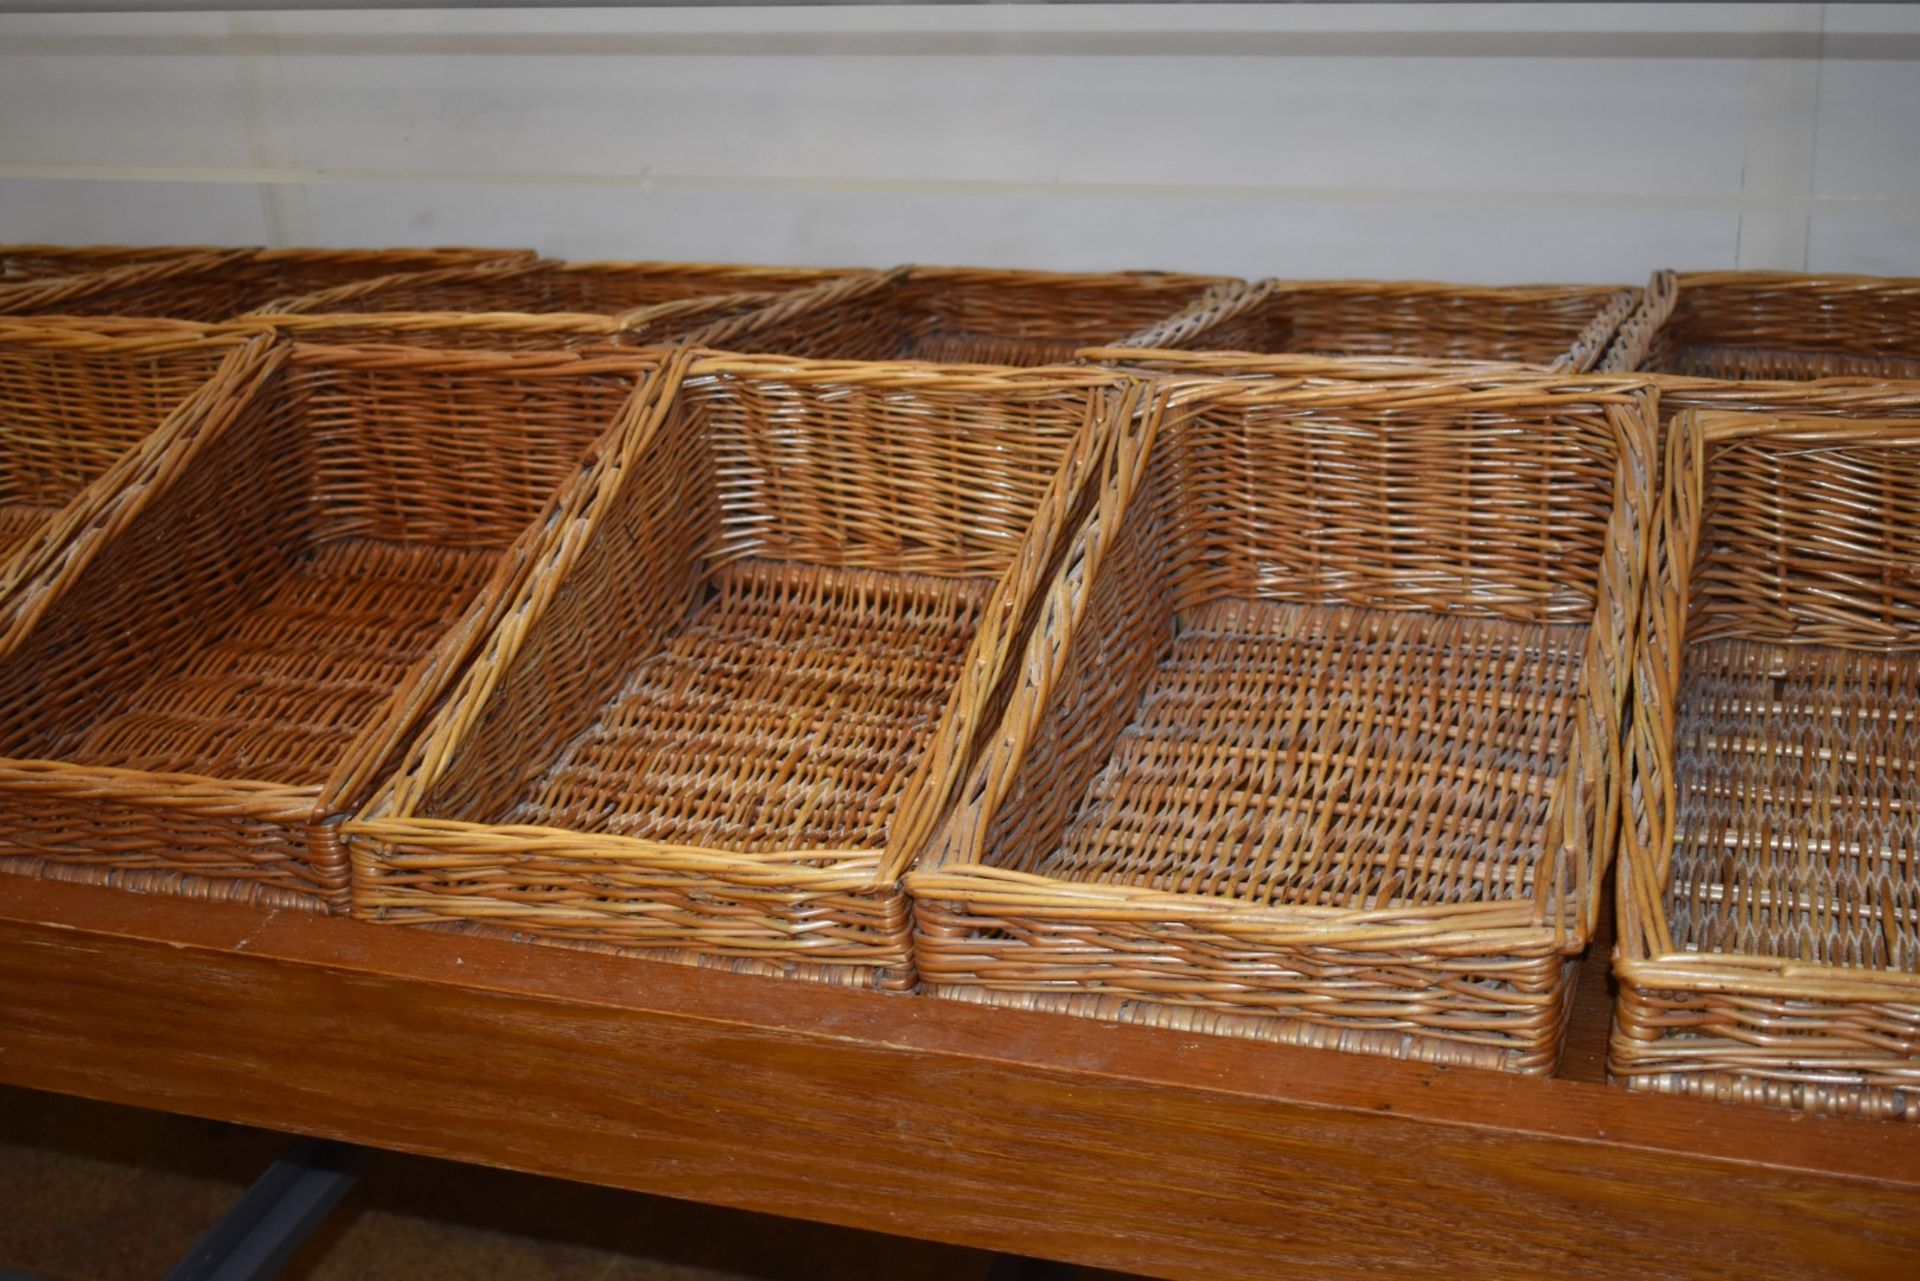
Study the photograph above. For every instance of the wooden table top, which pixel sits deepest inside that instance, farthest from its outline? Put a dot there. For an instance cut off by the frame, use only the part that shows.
(1144, 1149)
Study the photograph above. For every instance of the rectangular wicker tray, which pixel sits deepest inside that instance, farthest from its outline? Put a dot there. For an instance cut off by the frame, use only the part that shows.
(211, 681)
(1321, 740)
(1739, 325)
(1563, 328)
(751, 672)
(1769, 903)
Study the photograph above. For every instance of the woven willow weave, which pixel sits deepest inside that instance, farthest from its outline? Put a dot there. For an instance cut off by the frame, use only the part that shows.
(1320, 739)
(1301, 371)
(222, 284)
(196, 696)
(964, 315)
(75, 399)
(752, 669)
(1773, 325)
(1769, 902)
(1549, 327)
(22, 263)
(544, 304)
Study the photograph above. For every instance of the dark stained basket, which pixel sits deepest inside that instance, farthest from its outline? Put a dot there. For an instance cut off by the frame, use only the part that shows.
(222, 284)
(1320, 738)
(544, 304)
(1769, 923)
(75, 401)
(1737, 325)
(198, 695)
(967, 315)
(1550, 327)
(741, 690)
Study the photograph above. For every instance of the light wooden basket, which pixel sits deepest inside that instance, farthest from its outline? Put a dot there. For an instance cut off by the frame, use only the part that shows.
(1769, 922)
(1320, 741)
(754, 666)
(198, 693)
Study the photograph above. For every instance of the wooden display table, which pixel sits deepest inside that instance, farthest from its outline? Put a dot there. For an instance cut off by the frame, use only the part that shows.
(1134, 1148)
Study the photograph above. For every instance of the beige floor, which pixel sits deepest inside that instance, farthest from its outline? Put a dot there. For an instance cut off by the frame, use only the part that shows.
(96, 1193)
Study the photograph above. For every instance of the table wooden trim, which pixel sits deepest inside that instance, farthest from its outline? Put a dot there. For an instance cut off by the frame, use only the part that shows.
(1139, 1148)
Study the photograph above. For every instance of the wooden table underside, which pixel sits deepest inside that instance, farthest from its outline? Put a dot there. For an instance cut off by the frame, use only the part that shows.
(1138, 1148)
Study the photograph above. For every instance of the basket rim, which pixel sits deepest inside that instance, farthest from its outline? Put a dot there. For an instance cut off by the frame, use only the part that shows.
(1190, 362)
(818, 869)
(179, 790)
(1600, 294)
(1511, 386)
(731, 278)
(297, 323)
(709, 363)
(1815, 281)
(515, 362)
(934, 273)
(107, 334)
(1644, 952)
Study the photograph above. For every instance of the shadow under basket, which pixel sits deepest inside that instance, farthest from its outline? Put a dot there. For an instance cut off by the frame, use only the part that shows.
(74, 401)
(203, 693)
(1321, 743)
(1769, 899)
(547, 305)
(1560, 328)
(966, 315)
(1741, 325)
(732, 704)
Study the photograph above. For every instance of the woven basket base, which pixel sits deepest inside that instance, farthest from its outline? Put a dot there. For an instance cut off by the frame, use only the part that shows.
(1334, 756)
(1798, 772)
(785, 713)
(278, 694)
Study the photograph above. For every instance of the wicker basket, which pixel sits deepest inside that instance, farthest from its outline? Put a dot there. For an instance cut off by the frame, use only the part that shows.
(222, 284)
(77, 399)
(1769, 944)
(546, 304)
(968, 315)
(1564, 328)
(1321, 739)
(200, 694)
(739, 695)
(1773, 325)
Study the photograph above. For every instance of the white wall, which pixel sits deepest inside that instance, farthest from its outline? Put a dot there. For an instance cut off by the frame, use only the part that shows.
(1473, 142)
